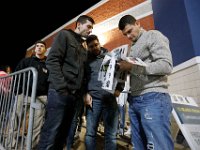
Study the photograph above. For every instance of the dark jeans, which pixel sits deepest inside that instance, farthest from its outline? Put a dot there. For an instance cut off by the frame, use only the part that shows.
(108, 109)
(60, 111)
(76, 122)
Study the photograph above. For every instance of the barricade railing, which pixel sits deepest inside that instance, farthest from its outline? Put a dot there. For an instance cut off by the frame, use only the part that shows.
(17, 108)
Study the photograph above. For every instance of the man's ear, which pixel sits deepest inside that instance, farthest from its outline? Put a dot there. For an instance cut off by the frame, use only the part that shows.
(137, 23)
(78, 25)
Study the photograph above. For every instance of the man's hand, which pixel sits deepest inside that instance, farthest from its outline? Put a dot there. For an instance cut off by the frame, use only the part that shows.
(117, 93)
(88, 100)
(124, 65)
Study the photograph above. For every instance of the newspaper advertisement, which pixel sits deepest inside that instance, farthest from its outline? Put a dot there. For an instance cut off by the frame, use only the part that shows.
(108, 74)
(187, 115)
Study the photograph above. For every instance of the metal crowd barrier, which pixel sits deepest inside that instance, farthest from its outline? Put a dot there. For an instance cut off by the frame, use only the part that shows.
(17, 108)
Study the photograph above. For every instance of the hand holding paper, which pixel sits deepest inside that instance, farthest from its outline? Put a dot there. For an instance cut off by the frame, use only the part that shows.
(115, 67)
(128, 62)
(136, 61)
(124, 65)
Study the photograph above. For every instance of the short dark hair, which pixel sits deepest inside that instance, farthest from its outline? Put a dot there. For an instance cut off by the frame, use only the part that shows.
(4, 67)
(91, 38)
(40, 41)
(127, 19)
(84, 18)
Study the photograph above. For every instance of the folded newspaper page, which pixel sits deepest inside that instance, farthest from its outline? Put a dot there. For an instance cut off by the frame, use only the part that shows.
(108, 74)
(136, 61)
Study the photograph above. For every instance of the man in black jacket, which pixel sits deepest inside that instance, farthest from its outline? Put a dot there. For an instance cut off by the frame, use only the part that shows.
(65, 63)
(38, 62)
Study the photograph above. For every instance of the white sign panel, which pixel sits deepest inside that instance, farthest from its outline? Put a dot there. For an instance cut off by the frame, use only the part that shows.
(187, 115)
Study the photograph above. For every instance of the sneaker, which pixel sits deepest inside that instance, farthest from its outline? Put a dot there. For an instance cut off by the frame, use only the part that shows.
(77, 135)
(128, 132)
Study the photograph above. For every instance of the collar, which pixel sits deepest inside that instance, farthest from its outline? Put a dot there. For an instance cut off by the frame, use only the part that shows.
(77, 36)
(36, 58)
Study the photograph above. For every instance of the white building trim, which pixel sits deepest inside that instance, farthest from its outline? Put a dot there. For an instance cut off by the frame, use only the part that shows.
(186, 64)
(139, 11)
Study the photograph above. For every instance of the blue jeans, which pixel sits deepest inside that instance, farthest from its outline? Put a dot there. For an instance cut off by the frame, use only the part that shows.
(150, 121)
(107, 108)
(60, 111)
(122, 112)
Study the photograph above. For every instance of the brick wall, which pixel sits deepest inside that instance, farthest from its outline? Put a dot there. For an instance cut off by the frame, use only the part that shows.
(105, 11)
(115, 38)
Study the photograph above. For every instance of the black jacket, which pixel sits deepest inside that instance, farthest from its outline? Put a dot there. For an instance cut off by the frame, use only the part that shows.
(65, 62)
(39, 65)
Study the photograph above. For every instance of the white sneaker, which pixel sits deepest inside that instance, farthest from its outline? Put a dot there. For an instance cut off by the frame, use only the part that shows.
(128, 132)
(77, 134)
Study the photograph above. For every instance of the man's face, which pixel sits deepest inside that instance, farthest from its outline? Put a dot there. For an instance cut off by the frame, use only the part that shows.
(94, 47)
(131, 31)
(40, 49)
(85, 29)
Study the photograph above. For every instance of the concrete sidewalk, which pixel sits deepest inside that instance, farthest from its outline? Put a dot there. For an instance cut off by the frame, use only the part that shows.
(123, 143)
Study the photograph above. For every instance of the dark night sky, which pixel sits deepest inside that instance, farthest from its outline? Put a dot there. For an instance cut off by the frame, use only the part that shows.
(24, 23)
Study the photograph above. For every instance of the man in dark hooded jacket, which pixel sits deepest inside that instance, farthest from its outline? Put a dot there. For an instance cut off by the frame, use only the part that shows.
(37, 60)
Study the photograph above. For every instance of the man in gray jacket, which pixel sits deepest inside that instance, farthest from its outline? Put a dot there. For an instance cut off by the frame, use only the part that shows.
(100, 103)
(149, 103)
